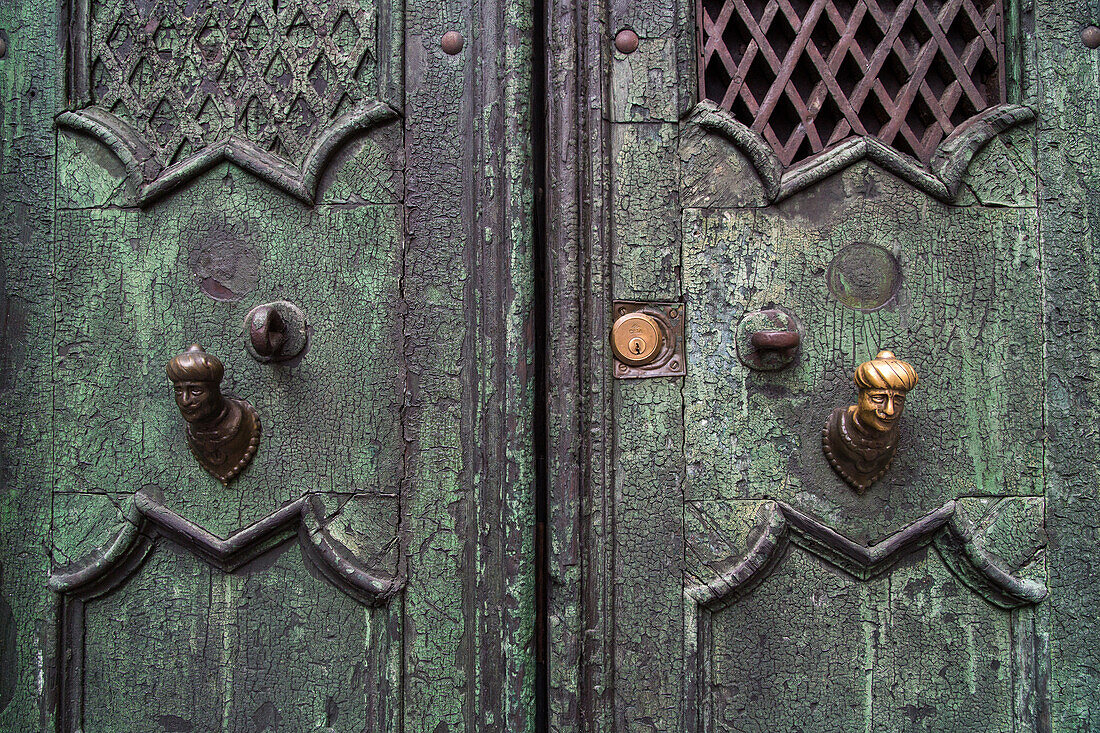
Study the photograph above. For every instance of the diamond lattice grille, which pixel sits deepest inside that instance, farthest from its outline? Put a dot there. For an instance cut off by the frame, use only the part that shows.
(807, 75)
(186, 75)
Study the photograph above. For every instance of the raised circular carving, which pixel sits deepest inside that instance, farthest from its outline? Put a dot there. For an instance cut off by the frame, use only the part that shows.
(864, 277)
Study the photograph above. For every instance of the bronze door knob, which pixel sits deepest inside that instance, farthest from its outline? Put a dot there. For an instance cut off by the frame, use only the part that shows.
(276, 332)
(861, 440)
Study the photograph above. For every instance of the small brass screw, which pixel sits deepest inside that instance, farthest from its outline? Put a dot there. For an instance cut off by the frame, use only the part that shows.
(672, 313)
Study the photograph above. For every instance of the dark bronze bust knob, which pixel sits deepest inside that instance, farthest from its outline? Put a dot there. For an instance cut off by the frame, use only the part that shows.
(222, 432)
(861, 440)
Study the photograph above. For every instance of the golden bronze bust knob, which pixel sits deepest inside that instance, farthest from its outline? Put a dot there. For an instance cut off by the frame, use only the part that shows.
(222, 432)
(861, 440)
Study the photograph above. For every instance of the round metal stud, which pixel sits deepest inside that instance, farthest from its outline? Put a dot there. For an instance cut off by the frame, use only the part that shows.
(452, 42)
(626, 41)
(1091, 37)
(3, 47)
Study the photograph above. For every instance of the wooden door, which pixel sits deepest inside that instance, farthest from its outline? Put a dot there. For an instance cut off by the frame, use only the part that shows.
(913, 177)
(166, 167)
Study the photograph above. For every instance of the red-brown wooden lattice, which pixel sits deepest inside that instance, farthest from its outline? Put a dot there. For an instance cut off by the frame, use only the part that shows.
(808, 74)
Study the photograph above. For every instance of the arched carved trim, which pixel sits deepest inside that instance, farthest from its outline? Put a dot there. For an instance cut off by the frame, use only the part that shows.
(941, 179)
(978, 570)
(782, 525)
(107, 566)
(748, 570)
(153, 182)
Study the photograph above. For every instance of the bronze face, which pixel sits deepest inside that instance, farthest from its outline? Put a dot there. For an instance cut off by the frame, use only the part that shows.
(860, 440)
(198, 401)
(879, 409)
(222, 432)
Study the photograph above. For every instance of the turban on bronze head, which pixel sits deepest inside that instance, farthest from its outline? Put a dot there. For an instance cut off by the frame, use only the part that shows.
(195, 365)
(886, 371)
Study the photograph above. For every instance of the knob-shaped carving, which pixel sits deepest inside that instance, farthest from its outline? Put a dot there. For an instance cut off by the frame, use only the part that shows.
(223, 432)
(768, 340)
(276, 332)
(861, 440)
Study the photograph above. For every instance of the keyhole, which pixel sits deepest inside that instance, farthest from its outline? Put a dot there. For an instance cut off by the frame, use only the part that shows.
(636, 345)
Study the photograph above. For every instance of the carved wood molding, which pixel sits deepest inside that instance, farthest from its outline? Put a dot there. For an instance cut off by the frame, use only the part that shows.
(108, 566)
(782, 525)
(977, 569)
(152, 181)
(274, 88)
(941, 178)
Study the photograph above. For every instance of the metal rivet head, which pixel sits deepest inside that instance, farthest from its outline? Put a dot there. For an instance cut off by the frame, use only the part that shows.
(626, 41)
(452, 42)
(3, 47)
(1091, 37)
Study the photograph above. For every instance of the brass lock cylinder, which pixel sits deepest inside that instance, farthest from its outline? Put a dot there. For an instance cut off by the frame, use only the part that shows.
(636, 339)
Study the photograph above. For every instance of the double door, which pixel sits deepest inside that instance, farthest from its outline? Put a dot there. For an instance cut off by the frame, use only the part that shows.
(407, 232)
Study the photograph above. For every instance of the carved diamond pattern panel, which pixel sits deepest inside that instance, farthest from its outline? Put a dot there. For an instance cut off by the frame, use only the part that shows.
(185, 75)
(808, 74)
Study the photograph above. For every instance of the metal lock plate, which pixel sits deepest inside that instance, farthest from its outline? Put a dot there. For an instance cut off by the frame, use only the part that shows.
(647, 339)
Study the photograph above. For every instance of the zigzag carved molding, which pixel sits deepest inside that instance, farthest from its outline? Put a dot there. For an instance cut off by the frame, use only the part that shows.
(107, 566)
(784, 524)
(153, 182)
(942, 178)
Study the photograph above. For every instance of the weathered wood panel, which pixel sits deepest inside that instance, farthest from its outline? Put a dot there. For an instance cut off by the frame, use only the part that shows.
(1069, 178)
(941, 642)
(30, 93)
(794, 638)
(467, 289)
(133, 292)
(580, 512)
(409, 418)
(966, 314)
(270, 646)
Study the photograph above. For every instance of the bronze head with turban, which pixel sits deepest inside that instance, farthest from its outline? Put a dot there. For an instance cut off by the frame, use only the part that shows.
(222, 432)
(883, 383)
(197, 377)
(860, 440)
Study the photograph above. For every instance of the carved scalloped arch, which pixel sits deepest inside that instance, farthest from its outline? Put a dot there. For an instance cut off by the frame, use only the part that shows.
(153, 182)
(108, 566)
(942, 178)
(783, 524)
